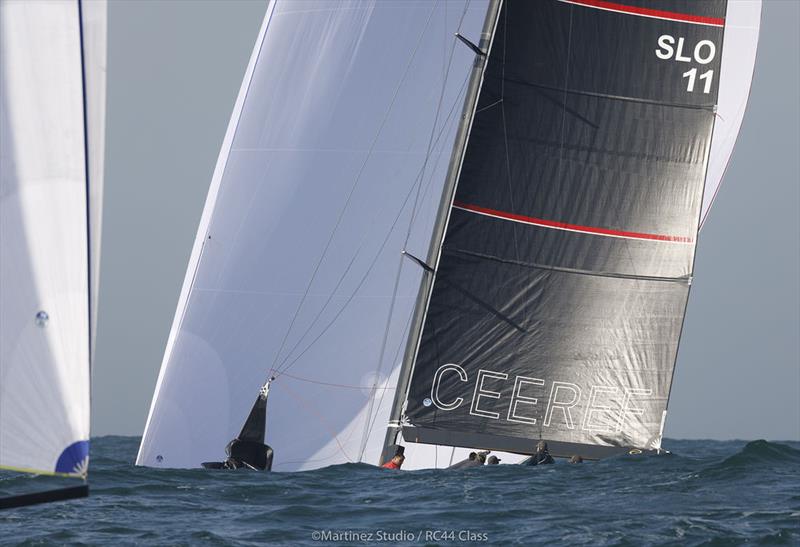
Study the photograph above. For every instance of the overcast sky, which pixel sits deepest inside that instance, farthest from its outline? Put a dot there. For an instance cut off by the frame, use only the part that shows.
(174, 70)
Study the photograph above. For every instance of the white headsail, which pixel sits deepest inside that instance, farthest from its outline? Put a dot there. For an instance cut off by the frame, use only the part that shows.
(742, 23)
(44, 239)
(342, 130)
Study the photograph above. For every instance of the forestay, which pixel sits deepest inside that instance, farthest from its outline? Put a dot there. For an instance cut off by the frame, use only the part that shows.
(342, 132)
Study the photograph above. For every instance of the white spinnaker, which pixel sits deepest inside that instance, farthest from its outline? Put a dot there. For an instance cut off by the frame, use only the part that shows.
(742, 22)
(318, 168)
(44, 324)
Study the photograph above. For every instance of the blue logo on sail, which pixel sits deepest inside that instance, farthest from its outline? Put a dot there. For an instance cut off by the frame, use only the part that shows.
(74, 459)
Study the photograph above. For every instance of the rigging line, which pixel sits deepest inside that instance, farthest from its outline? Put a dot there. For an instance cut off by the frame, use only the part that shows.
(408, 321)
(447, 123)
(324, 307)
(322, 458)
(417, 180)
(561, 194)
(514, 229)
(310, 381)
(282, 293)
(353, 187)
(308, 407)
(436, 120)
(281, 367)
(363, 279)
(505, 128)
(429, 184)
(396, 355)
(384, 341)
(380, 359)
(448, 120)
(444, 41)
(370, 421)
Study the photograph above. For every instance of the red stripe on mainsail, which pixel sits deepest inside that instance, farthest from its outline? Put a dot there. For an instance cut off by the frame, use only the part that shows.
(647, 12)
(568, 227)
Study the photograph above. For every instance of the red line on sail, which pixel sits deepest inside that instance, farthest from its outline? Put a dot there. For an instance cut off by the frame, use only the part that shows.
(568, 227)
(647, 12)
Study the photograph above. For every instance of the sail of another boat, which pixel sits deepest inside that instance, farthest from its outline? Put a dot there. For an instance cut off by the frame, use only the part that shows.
(52, 94)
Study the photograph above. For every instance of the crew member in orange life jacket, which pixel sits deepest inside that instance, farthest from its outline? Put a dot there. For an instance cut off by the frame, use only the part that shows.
(397, 460)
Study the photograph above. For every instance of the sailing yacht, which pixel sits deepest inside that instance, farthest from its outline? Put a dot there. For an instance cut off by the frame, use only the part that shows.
(453, 225)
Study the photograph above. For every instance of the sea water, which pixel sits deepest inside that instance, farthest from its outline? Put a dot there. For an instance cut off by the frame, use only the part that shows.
(705, 493)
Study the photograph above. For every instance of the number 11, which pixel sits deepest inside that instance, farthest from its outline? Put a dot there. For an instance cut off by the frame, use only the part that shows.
(692, 74)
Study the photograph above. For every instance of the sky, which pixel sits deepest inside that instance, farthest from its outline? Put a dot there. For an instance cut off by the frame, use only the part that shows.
(174, 70)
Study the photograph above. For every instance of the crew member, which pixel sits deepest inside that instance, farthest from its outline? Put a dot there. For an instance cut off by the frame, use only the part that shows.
(395, 463)
(475, 459)
(541, 457)
(397, 460)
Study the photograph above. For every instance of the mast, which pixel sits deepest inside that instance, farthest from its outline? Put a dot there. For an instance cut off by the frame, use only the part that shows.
(453, 171)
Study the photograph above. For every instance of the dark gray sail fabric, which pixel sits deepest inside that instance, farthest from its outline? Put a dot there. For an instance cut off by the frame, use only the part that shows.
(564, 272)
(253, 429)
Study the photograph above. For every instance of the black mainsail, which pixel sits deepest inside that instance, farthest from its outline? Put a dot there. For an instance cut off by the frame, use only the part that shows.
(563, 271)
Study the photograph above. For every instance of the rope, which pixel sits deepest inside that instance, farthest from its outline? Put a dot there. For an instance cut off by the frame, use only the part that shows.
(309, 380)
(353, 187)
(281, 368)
(369, 423)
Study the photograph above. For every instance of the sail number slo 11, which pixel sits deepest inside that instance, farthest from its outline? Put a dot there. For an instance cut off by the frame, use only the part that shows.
(703, 53)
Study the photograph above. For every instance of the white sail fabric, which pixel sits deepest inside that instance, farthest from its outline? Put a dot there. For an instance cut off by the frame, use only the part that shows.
(742, 22)
(94, 18)
(44, 315)
(343, 128)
